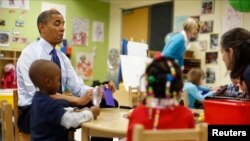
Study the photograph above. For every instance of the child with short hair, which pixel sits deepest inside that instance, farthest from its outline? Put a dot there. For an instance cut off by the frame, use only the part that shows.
(194, 89)
(161, 109)
(234, 88)
(49, 119)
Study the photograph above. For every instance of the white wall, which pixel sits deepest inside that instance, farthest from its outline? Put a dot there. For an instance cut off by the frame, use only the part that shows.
(181, 8)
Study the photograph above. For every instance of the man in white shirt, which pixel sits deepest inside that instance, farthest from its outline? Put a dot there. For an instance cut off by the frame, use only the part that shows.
(50, 24)
(51, 28)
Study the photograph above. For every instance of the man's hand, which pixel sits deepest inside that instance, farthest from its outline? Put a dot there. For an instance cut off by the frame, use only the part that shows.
(111, 86)
(85, 99)
(95, 110)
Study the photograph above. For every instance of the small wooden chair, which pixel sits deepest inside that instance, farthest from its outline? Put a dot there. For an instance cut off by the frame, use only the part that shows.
(185, 98)
(24, 136)
(135, 96)
(7, 121)
(199, 133)
(19, 135)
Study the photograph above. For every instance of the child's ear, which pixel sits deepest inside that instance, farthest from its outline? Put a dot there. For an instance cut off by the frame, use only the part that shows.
(48, 82)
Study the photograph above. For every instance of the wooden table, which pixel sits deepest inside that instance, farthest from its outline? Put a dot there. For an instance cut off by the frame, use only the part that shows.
(199, 111)
(111, 122)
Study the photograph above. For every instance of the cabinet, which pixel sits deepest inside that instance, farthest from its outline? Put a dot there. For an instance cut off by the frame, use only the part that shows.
(189, 61)
(8, 55)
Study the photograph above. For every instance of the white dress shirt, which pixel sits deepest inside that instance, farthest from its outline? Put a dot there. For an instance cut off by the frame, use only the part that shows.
(41, 50)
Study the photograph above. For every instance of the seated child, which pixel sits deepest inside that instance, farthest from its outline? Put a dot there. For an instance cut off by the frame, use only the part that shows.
(194, 89)
(161, 109)
(233, 89)
(49, 119)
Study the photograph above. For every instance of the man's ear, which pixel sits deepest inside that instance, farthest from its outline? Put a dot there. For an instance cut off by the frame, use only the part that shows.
(40, 27)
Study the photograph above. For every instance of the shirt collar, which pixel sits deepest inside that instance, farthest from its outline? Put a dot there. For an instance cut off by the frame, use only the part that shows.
(45, 45)
(185, 35)
(185, 38)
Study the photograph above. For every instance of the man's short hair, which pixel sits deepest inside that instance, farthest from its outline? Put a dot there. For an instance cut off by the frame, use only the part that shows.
(43, 17)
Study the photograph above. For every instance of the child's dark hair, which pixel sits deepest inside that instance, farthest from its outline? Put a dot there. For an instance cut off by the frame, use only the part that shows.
(164, 83)
(41, 69)
(160, 71)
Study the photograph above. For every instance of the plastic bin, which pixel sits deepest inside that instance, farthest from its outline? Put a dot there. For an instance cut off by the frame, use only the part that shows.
(221, 111)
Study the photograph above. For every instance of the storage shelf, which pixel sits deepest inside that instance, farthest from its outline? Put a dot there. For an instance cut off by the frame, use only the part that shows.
(8, 55)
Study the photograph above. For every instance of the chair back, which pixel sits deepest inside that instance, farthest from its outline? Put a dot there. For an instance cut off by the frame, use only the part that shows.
(15, 104)
(199, 133)
(7, 121)
(185, 98)
(135, 96)
(19, 135)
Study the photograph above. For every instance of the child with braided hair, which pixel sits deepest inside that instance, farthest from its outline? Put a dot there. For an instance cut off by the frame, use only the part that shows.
(162, 108)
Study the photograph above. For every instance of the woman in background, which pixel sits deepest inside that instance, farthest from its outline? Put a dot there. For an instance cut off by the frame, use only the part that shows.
(235, 49)
(177, 45)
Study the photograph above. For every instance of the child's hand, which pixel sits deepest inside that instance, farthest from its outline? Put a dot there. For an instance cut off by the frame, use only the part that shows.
(95, 110)
(79, 110)
(216, 89)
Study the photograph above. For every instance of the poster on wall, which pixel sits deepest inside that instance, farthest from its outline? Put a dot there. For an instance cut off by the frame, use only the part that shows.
(211, 57)
(98, 31)
(2, 22)
(214, 41)
(84, 65)
(19, 23)
(210, 75)
(206, 26)
(4, 38)
(197, 18)
(21, 40)
(229, 15)
(207, 6)
(80, 30)
(60, 7)
(203, 45)
(15, 4)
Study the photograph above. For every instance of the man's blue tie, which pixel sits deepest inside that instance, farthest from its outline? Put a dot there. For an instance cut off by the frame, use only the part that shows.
(56, 60)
